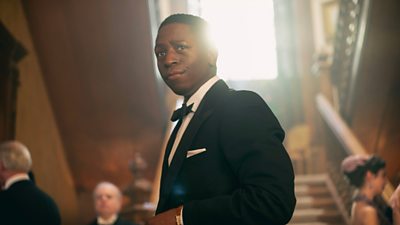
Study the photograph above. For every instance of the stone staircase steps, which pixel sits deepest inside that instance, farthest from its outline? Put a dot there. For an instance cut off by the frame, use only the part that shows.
(315, 202)
(317, 179)
(314, 223)
(306, 190)
(316, 215)
(312, 202)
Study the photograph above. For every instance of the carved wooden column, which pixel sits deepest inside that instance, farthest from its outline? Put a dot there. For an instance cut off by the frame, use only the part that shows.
(11, 51)
(138, 192)
(348, 43)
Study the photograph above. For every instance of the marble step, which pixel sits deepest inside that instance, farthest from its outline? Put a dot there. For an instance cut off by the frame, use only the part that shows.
(316, 223)
(315, 179)
(316, 215)
(309, 190)
(312, 202)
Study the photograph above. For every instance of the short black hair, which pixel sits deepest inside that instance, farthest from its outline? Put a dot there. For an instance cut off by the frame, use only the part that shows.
(357, 176)
(196, 22)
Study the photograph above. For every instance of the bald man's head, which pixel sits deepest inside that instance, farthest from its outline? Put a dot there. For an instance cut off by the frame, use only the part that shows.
(14, 159)
(107, 200)
(14, 156)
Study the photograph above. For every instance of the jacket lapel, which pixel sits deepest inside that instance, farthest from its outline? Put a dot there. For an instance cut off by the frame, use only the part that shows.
(205, 110)
(165, 165)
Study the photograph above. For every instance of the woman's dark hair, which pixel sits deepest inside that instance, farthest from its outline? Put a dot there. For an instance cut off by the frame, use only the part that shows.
(357, 176)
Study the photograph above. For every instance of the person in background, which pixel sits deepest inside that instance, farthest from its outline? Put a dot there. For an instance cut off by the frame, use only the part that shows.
(224, 162)
(108, 202)
(394, 202)
(368, 175)
(21, 201)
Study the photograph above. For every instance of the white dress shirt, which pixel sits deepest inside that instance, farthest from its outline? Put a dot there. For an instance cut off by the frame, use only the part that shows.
(195, 99)
(14, 179)
(111, 220)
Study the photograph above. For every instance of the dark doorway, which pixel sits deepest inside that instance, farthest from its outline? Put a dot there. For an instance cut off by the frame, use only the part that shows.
(11, 51)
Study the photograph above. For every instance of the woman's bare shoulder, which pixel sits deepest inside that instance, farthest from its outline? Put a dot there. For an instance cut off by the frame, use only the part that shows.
(364, 214)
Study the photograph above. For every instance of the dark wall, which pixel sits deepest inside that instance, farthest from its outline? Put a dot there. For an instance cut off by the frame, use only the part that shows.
(375, 115)
(11, 51)
(96, 58)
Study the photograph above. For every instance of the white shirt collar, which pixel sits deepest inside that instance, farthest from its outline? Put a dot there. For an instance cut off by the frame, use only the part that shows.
(14, 179)
(199, 94)
(111, 220)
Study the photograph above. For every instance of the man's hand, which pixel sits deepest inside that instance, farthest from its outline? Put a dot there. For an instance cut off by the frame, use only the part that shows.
(165, 218)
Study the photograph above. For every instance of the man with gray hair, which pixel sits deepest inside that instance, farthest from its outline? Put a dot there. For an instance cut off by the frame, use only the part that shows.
(108, 202)
(21, 201)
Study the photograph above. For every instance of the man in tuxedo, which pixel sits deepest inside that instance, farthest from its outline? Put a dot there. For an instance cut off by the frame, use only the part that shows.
(21, 201)
(108, 201)
(224, 162)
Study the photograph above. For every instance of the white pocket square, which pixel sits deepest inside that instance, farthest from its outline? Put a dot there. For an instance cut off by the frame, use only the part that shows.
(195, 152)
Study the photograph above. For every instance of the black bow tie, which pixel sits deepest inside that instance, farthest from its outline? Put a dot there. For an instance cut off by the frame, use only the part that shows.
(181, 112)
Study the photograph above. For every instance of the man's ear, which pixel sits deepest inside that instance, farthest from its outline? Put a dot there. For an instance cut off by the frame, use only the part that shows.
(212, 56)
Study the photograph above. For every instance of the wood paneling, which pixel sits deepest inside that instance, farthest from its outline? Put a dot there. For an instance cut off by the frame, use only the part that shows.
(97, 61)
(375, 117)
(11, 51)
(35, 124)
(366, 75)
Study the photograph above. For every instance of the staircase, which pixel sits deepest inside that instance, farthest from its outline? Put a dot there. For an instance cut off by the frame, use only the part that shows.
(317, 202)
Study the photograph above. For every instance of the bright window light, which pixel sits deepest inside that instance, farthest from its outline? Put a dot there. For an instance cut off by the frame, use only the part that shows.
(245, 36)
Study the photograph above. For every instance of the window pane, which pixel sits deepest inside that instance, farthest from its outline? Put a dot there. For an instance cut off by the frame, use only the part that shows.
(245, 35)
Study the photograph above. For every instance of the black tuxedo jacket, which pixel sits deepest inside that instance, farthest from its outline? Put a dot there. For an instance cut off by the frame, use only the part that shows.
(245, 176)
(119, 221)
(24, 203)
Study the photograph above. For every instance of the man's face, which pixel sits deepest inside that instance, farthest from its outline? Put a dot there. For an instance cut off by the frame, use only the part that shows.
(107, 201)
(182, 61)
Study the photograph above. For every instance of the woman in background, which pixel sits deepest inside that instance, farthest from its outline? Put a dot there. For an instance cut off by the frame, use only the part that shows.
(368, 175)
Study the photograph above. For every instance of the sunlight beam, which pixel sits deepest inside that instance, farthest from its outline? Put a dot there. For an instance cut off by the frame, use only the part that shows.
(244, 33)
